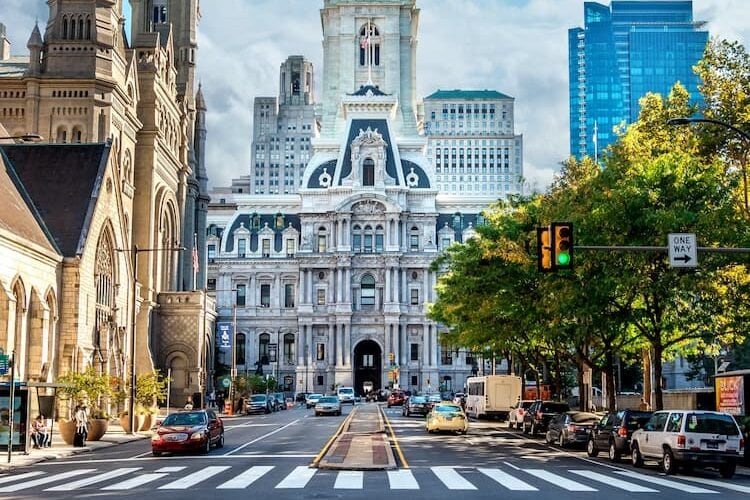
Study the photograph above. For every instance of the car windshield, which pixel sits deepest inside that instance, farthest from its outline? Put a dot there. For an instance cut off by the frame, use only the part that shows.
(636, 419)
(447, 409)
(418, 399)
(711, 423)
(315, 396)
(328, 399)
(555, 407)
(197, 418)
(346, 391)
(434, 397)
(582, 416)
(260, 398)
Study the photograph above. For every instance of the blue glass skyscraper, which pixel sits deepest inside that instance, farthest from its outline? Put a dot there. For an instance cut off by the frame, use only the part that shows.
(624, 51)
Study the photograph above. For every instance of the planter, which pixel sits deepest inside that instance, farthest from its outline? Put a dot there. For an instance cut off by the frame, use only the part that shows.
(97, 428)
(149, 420)
(67, 430)
(125, 422)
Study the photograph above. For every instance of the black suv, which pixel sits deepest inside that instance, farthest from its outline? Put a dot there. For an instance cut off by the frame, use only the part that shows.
(537, 417)
(613, 433)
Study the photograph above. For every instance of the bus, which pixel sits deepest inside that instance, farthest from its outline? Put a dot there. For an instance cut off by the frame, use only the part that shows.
(492, 396)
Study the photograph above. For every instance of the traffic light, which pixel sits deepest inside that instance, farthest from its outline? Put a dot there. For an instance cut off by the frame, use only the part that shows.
(391, 357)
(562, 244)
(544, 250)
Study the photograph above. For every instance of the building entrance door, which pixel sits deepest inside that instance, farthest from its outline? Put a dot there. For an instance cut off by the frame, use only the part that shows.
(368, 365)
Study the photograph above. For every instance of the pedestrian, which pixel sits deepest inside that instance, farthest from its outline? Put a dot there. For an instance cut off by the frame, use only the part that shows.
(81, 418)
(644, 406)
(189, 403)
(212, 399)
(40, 434)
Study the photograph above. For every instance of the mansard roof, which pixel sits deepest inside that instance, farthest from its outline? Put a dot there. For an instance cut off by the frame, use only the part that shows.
(62, 184)
(467, 95)
(459, 222)
(328, 167)
(381, 125)
(246, 220)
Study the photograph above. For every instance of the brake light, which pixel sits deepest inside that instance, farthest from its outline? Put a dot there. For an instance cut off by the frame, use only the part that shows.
(742, 443)
(572, 427)
(622, 432)
(681, 440)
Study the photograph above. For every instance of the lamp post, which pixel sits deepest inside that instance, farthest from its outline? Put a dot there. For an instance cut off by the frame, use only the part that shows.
(737, 130)
(134, 255)
(233, 371)
(24, 137)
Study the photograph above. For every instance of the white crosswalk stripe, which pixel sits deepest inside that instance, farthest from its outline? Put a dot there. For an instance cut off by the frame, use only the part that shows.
(718, 484)
(505, 479)
(45, 480)
(129, 484)
(665, 482)
(558, 480)
(298, 478)
(194, 478)
(402, 479)
(349, 480)
(246, 478)
(11, 478)
(611, 481)
(99, 478)
(452, 479)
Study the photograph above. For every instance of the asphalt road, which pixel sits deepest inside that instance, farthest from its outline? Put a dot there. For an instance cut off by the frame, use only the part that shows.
(270, 454)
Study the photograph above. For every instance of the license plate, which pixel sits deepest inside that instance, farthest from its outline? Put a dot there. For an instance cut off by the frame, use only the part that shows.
(175, 437)
(712, 446)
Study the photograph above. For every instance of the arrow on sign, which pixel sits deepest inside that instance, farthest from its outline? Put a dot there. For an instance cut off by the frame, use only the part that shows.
(684, 258)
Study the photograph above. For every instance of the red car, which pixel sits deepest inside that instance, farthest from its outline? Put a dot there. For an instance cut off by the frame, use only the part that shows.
(396, 398)
(188, 431)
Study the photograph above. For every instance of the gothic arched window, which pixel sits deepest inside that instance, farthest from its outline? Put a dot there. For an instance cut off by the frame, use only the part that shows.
(369, 45)
(104, 276)
(356, 238)
(289, 348)
(368, 172)
(240, 349)
(367, 290)
(65, 28)
(88, 29)
(263, 340)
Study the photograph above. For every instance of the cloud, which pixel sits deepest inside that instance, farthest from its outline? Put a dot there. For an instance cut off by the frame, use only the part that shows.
(518, 47)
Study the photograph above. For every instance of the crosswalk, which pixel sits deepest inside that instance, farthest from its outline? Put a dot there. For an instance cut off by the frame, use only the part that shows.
(226, 477)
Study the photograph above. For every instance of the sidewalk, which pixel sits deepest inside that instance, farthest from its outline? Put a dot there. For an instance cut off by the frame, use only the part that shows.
(362, 444)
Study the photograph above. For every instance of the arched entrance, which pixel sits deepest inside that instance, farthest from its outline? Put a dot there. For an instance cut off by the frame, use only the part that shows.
(367, 366)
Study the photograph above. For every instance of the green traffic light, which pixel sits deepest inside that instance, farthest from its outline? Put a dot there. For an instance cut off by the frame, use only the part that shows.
(563, 259)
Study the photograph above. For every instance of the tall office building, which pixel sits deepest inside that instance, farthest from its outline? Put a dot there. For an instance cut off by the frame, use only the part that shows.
(472, 143)
(624, 51)
(282, 129)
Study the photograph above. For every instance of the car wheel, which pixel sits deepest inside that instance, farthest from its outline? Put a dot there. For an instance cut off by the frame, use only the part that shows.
(207, 447)
(727, 470)
(519, 425)
(525, 428)
(156, 453)
(220, 442)
(561, 441)
(533, 428)
(547, 438)
(614, 453)
(668, 463)
(635, 457)
(591, 448)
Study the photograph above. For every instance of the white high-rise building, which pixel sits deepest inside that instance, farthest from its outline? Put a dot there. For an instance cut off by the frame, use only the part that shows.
(329, 286)
(473, 145)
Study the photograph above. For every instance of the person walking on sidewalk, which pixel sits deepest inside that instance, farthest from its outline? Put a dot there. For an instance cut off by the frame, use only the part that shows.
(81, 418)
(40, 434)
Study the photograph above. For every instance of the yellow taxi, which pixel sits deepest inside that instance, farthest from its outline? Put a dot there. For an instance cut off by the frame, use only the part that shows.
(447, 416)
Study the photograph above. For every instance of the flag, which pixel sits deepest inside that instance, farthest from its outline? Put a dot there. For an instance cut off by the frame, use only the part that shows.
(365, 40)
(195, 253)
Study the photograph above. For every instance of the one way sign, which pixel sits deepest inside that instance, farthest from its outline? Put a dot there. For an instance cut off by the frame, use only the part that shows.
(683, 250)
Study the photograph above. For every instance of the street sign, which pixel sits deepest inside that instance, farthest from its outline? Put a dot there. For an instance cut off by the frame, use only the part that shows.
(224, 335)
(226, 382)
(683, 250)
(4, 364)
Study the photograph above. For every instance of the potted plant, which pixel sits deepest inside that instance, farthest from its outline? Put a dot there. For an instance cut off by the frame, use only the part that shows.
(89, 388)
(149, 388)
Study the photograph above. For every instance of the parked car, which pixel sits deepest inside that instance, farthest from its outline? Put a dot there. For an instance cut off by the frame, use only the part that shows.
(259, 403)
(197, 430)
(395, 398)
(536, 419)
(613, 432)
(312, 399)
(328, 405)
(447, 417)
(415, 405)
(345, 394)
(689, 438)
(515, 417)
(280, 400)
(570, 428)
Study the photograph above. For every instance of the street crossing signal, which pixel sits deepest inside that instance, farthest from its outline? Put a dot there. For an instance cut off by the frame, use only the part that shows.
(544, 250)
(562, 244)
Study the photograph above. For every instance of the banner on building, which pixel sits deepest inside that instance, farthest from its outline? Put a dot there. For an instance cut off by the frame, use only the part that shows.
(224, 335)
(730, 395)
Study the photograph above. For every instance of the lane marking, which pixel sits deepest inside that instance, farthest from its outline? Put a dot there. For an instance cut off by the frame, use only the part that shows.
(505, 479)
(239, 456)
(719, 484)
(298, 478)
(194, 478)
(330, 441)
(134, 482)
(171, 469)
(349, 480)
(95, 479)
(401, 457)
(610, 481)
(45, 480)
(264, 436)
(666, 482)
(452, 479)
(402, 479)
(560, 481)
(246, 478)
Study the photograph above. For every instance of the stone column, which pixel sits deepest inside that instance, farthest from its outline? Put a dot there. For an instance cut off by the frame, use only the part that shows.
(425, 286)
(300, 349)
(347, 346)
(339, 285)
(308, 342)
(339, 345)
(388, 284)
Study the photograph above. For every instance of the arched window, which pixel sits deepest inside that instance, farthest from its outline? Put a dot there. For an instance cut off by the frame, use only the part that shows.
(105, 290)
(289, 348)
(369, 46)
(414, 239)
(263, 340)
(80, 28)
(356, 238)
(88, 29)
(379, 239)
(367, 290)
(65, 28)
(367, 245)
(322, 239)
(62, 135)
(76, 135)
(240, 349)
(368, 172)
(279, 221)
(256, 221)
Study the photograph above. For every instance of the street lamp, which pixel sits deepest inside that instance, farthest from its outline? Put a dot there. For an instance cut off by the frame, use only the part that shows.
(134, 254)
(233, 372)
(24, 137)
(742, 133)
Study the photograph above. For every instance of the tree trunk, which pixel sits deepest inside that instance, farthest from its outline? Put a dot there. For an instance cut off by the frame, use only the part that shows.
(558, 378)
(657, 367)
(647, 377)
(582, 398)
(609, 370)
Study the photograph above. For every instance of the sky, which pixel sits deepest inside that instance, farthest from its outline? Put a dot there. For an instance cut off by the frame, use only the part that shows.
(517, 47)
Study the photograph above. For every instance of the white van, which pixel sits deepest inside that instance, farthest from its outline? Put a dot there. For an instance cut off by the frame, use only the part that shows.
(345, 394)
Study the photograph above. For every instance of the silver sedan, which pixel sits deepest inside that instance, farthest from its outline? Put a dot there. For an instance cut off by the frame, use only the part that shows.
(328, 405)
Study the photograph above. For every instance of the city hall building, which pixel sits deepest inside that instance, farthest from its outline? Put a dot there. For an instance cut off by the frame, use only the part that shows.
(329, 286)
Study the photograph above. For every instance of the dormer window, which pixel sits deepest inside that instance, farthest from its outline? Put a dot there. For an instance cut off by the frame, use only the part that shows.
(266, 248)
(368, 172)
